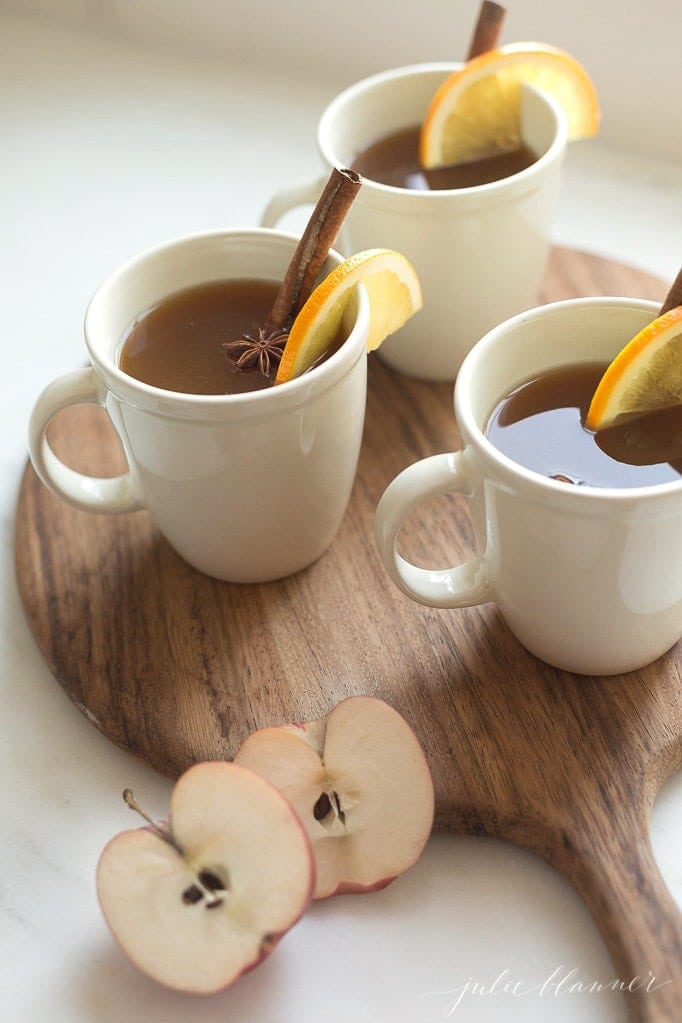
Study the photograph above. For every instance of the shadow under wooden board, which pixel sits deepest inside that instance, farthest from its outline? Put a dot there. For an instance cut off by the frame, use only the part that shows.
(176, 667)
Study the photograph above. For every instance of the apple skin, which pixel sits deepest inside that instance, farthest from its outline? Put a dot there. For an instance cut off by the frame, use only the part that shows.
(367, 765)
(225, 822)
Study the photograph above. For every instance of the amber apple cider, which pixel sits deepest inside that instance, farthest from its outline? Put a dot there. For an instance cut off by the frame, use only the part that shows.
(540, 425)
(181, 344)
(394, 160)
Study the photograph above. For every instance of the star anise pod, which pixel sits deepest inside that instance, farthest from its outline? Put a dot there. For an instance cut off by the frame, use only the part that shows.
(262, 348)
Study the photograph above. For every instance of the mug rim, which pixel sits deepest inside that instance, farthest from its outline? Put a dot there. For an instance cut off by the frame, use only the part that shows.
(506, 468)
(462, 195)
(180, 403)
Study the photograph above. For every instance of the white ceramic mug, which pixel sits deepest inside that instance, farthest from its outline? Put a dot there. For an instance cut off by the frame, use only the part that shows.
(480, 252)
(587, 578)
(246, 487)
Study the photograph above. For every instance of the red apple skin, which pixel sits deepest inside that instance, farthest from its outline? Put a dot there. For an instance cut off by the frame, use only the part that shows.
(348, 888)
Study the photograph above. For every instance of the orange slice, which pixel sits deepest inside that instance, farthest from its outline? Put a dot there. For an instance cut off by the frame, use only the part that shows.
(394, 296)
(476, 111)
(645, 375)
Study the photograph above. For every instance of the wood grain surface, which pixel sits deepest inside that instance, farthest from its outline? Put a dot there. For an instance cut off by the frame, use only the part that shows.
(176, 667)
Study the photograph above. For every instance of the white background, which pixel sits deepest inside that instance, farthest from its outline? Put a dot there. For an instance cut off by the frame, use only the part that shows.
(123, 124)
(630, 47)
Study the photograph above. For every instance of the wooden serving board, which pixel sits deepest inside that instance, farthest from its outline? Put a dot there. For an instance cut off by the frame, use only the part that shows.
(176, 667)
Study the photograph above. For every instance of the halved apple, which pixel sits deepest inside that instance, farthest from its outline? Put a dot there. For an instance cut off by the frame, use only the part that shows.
(360, 783)
(200, 899)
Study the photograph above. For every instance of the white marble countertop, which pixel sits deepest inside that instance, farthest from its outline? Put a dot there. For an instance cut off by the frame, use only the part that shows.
(107, 148)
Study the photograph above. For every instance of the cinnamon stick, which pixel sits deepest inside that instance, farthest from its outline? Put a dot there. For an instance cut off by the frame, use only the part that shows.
(317, 239)
(674, 296)
(488, 28)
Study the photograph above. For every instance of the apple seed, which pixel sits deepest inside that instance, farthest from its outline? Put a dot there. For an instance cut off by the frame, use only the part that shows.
(192, 895)
(208, 883)
(327, 810)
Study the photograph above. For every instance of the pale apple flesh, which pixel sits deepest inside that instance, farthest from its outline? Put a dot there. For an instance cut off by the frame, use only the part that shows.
(361, 785)
(197, 908)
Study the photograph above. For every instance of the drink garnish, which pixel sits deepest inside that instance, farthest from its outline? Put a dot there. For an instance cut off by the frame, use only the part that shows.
(394, 296)
(263, 346)
(477, 110)
(646, 375)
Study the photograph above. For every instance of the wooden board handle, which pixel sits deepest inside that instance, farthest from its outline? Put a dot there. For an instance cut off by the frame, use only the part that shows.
(614, 870)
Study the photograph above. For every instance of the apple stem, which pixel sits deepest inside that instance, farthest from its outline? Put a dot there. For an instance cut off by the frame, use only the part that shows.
(160, 830)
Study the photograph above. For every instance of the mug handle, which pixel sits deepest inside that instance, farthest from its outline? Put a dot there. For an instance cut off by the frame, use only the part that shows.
(461, 586)
(90, 493)
(299, 195)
